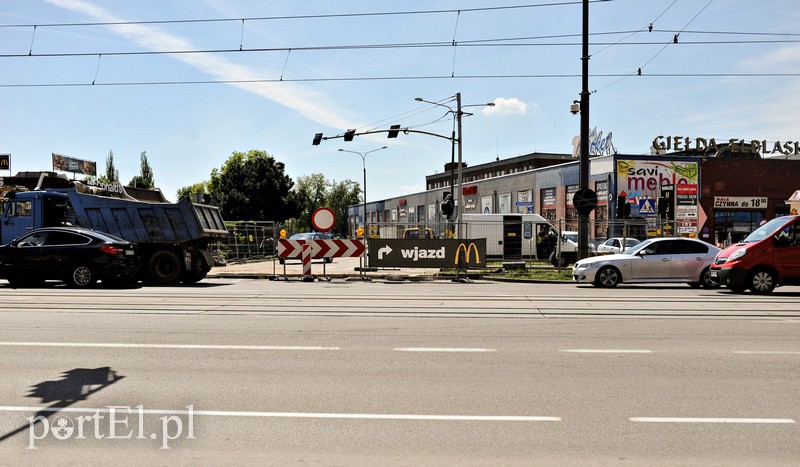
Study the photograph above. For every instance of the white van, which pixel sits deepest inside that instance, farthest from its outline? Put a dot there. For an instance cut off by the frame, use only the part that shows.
(513, 237)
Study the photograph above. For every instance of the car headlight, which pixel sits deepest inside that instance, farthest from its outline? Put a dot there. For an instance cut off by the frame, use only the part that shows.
(737, 254)
(581, 265)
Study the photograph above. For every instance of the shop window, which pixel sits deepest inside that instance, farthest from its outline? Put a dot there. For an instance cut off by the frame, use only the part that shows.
(732, 226)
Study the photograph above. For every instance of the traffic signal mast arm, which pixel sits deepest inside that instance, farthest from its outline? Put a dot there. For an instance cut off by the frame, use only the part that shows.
(319, 138)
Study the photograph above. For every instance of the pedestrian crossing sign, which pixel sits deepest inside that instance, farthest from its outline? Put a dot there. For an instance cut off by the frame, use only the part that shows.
(647, 206)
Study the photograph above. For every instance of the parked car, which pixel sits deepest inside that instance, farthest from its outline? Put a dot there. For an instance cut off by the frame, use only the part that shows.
(310, 236)
(416, 233)
(614, 245)
(665, 259)
(768, 257)
(80, 257)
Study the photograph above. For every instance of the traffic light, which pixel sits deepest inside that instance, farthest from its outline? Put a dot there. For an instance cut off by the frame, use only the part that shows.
(447, 204)
(623, 208)
(317, 139)
(394, 130)
(348, 135)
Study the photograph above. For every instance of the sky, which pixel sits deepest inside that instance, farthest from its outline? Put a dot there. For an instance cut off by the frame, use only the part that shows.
(269, 74)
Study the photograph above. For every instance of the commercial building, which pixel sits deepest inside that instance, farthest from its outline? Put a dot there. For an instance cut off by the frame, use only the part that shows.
(715, 192)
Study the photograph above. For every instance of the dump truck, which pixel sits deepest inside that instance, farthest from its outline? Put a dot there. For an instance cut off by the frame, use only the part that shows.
(172, 239)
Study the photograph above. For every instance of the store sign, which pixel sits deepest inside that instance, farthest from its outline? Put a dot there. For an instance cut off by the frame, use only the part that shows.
(5, 161)
(739, 202)
(763, 147)
(644, 178)
(599, 145)
(548, 198)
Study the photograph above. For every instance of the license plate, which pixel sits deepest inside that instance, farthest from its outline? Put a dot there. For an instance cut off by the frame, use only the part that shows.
(714, 274)
(129, 253)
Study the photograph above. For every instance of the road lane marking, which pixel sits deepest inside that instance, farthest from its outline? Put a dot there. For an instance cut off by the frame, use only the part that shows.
(605, 351)
(166, 346)
(441, 349)
(766, 352)
(711, 420)
(363, 416)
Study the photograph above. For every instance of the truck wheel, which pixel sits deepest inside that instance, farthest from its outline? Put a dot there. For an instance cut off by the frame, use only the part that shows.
(165, 267)
(80, 276)
(762, 281)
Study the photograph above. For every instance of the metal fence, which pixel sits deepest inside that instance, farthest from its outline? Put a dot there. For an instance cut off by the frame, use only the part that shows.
(247, 242)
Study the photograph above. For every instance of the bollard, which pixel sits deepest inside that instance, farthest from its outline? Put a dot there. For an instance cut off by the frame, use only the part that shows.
(306, 260)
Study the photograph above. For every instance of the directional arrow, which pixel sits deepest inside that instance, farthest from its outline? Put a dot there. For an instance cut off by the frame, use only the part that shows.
(384, 251)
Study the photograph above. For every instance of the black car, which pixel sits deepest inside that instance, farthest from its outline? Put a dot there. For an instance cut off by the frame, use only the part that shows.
(74, 255)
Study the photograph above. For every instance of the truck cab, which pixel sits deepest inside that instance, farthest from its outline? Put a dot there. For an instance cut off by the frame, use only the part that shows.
(27, 210)
(768, 257)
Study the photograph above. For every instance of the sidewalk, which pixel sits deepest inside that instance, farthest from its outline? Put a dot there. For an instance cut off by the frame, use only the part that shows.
(339, 268)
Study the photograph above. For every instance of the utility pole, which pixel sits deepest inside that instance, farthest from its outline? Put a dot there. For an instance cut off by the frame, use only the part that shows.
(583, 219)
(460, 168)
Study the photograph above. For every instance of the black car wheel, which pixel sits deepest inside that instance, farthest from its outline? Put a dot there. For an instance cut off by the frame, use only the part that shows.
(608, 276)
(762, 281)
(80, 276)
(707, 281)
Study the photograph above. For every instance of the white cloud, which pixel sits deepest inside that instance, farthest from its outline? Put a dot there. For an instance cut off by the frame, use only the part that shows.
(299, 98)
(504, 106)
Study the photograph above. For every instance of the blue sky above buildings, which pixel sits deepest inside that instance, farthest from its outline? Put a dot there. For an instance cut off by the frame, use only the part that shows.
(324, 66)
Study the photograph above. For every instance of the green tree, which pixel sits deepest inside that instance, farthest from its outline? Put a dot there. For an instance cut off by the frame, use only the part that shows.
(145, 178)
(112, 174)
(312, 192)
(341, 195)
(315, 191)
(186, 192)
(253, 186)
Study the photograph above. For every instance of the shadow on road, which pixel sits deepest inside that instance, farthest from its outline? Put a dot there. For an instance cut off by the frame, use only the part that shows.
(75, 385)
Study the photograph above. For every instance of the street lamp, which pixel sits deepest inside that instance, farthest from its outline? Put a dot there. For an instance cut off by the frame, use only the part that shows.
(364, 165)
(458, 113)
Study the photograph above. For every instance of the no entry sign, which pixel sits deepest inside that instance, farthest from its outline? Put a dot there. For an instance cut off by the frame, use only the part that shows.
(323, 219)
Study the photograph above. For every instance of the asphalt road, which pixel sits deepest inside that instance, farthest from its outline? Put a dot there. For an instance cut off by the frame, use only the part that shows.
(243, 372)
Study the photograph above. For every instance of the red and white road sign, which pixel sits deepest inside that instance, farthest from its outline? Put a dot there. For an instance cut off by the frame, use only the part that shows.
(323, 219)
(321, 248)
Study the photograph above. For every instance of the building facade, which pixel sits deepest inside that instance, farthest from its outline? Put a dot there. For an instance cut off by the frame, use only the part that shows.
(714, 198)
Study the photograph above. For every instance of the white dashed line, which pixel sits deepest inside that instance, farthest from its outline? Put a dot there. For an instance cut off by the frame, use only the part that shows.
(166, 346)
(440, 349)
(364, 416)
(711, 420)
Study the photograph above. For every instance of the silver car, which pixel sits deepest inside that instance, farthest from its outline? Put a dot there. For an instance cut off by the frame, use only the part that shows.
(654, 260)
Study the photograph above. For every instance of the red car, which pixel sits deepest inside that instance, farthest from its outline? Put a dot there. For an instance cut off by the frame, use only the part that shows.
(768, 257)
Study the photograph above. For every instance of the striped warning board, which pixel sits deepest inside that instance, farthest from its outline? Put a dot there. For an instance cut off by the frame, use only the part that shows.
(321, 248)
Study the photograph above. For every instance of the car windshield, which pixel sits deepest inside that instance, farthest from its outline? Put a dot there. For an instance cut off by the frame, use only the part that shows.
(571, 236)
(770, 228)
(635, 249)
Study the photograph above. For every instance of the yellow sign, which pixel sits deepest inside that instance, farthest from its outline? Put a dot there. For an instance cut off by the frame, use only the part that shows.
(467, 250)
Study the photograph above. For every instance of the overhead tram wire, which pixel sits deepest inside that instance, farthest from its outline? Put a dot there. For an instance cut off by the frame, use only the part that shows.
(638, 72)
(398, 78)
(473, 43)
(300, 17)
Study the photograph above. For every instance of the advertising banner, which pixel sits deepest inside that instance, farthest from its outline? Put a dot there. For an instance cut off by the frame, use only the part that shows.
(422, 253)
(71, 164)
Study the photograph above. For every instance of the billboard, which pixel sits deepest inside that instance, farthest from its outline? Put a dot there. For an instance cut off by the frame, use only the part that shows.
(71, 164)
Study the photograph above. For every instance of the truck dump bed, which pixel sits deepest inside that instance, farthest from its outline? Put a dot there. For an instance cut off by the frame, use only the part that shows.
(147, 222)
